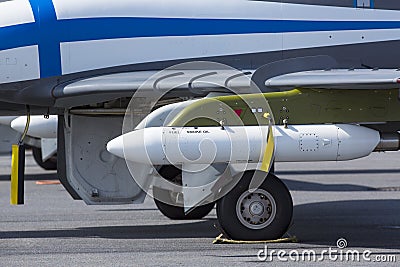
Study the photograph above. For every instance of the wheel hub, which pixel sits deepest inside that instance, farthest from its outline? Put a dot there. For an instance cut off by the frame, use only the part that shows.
(257, 209)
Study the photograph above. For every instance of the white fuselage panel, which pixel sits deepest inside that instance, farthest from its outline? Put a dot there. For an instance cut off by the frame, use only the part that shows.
(115, 52)
(221, 9)
(15, 12)
(19, 64)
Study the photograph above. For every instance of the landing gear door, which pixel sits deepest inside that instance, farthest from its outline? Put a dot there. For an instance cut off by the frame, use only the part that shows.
(88, 170)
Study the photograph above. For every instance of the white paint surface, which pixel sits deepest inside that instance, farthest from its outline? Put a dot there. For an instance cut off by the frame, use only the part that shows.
(82, 56)
(19, 64)
(15, 12)
(240, 9)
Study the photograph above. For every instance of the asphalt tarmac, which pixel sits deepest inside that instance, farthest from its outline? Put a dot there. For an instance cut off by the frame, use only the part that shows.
(357, 200)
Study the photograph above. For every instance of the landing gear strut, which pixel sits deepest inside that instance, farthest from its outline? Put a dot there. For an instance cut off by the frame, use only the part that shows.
(263, 214)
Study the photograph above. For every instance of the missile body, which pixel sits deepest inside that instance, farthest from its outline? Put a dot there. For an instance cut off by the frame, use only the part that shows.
(241, 144)
(38, 127)
(6, 120)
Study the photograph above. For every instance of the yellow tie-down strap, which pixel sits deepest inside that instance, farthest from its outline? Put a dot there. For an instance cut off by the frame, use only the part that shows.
(221, 240)
(269, 148)
(269, 151)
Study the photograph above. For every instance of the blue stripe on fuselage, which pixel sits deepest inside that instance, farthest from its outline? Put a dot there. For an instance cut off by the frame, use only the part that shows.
(49, 41)
(110, 28)
(48, 32)
(18, 36)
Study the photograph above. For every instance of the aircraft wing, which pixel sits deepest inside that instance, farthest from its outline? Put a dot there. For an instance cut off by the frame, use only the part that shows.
(200, 82)
(337, 79)
(191, 82)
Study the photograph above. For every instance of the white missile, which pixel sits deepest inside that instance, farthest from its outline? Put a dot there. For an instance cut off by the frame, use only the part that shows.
(237, 144)
(6, 120)
(39, 126)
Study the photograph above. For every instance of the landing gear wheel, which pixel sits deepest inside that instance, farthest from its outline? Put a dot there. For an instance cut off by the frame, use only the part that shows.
(176, 212)
(264, 214)
(49, 165)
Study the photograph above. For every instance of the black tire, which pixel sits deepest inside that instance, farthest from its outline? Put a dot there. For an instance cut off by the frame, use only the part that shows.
(176, 212)
(238, 219)
(49, 165)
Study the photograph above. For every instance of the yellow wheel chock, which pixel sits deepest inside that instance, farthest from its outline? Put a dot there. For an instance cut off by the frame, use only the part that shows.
(224, 239)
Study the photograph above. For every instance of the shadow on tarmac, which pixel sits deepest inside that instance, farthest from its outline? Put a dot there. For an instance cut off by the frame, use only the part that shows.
(311, 186)
(335, 172)
(33, 177)
(200, 229)
(363, 223)
(369, 223)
